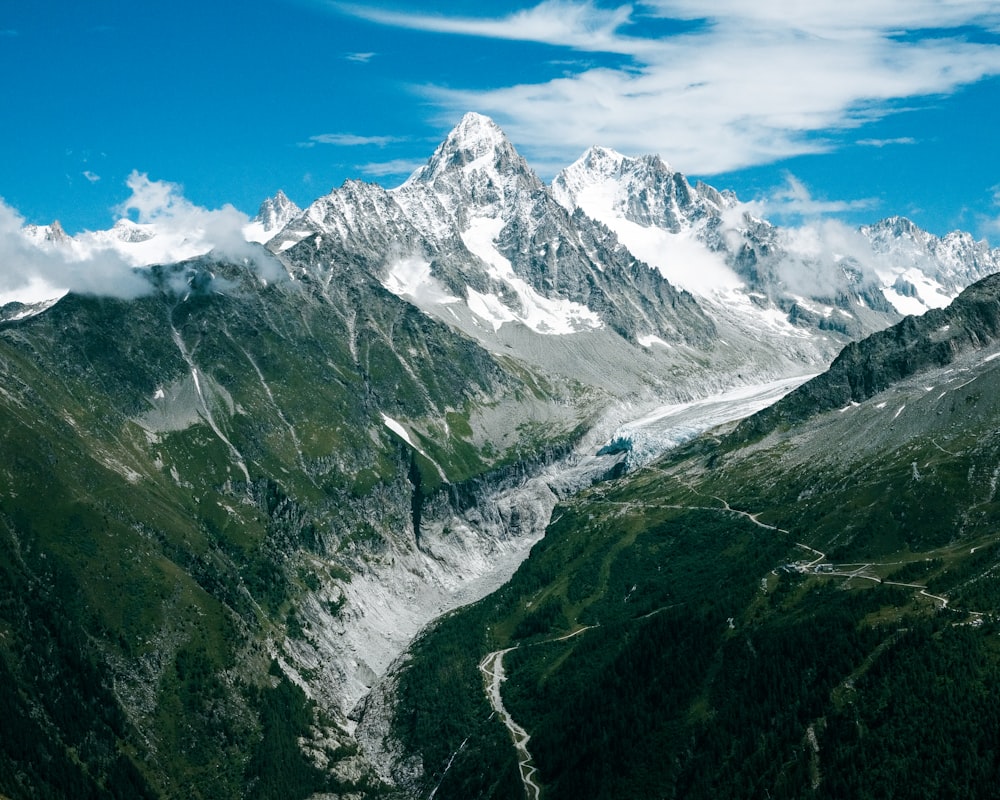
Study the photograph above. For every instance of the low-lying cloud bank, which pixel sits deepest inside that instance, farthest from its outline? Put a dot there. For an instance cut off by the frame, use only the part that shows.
(155, 225)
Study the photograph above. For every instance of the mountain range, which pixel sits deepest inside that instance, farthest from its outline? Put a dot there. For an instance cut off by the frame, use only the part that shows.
(242, 501)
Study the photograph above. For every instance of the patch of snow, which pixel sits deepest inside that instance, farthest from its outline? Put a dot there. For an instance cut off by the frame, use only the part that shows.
(32, 307)
(903, 304)
(649, 340)
(411, 278)
(554, 316)
(930, 293)
(683, 260)
(398, 429)
(404, 434)
(489, 307)
(813, 308)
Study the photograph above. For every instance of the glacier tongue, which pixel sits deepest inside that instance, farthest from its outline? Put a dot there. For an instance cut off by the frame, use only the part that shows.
(463, 557)
(669, 426)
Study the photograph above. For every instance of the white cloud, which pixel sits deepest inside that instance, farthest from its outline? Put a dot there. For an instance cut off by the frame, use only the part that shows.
(744, 84)
(35, 271)
(90, 176)
(817, 253)
(360, 58)
(886, 142)
(35, 267)
(837, 17)
(351, 140)
(183, 228)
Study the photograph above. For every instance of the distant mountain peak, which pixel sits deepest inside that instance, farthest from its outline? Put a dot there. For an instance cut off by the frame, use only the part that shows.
(56, 232)
(606, 161)
(273, 215)
(644, 190)
(52, 233)
(125, 230)
(275, 212)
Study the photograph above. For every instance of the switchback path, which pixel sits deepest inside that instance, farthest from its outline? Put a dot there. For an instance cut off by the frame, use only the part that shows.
(492, 668)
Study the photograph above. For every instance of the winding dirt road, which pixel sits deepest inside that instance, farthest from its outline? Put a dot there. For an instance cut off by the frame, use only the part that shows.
(492, 669)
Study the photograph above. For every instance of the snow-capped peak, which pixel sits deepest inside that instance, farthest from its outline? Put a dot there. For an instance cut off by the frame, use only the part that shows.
(46, 234)
(604, 162)
(475, 155)
(125, 230)
(477, 134)
(645, 190)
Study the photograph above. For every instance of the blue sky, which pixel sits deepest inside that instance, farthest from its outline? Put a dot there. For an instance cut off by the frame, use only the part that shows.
(853, 108)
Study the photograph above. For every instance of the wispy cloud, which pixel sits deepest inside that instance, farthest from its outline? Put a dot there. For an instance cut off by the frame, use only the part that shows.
(886, 142)
(90, 176)
(395, 167)
(817, 251)
(580, 25)
(8, 32)
(350, 140)
(742, 84)
(795, 199)
(361, 58)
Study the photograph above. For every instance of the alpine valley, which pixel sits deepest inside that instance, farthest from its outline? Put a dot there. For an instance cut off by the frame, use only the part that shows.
(443, 491)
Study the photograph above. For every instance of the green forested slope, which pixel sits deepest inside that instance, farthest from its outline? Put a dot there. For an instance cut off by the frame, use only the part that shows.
(812, 613)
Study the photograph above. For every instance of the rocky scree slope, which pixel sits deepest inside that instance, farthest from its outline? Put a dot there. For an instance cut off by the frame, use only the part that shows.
(866, 368)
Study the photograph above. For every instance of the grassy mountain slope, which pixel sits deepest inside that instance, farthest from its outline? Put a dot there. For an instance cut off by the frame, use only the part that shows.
(807, 611)
(178, 471)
